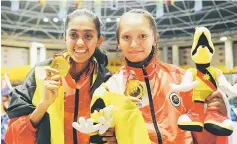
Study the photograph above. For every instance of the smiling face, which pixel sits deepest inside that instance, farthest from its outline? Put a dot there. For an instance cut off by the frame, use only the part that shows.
(82, 38)
(136, 37)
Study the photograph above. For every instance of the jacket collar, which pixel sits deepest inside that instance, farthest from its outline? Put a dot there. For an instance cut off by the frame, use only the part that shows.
(149, 64)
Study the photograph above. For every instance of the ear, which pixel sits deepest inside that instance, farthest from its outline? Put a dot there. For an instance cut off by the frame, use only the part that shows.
(118, 46)
(100, 41)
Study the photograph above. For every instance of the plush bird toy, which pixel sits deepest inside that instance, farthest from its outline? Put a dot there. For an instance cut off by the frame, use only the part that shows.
(114, 110)
(204, 79)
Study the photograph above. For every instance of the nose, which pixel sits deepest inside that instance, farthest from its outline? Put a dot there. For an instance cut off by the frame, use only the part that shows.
(134, 44)
(80, 42)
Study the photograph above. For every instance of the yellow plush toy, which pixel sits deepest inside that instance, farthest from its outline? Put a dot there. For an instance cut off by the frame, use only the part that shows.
(114, 110)
(204, 79)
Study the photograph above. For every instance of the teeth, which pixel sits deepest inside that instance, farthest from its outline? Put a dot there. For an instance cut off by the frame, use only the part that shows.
(80, 51)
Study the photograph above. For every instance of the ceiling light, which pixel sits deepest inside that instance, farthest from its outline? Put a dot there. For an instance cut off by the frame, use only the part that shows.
(55, 20)
(45, 19)
(117, 19)
(223, 38)
(108, 20)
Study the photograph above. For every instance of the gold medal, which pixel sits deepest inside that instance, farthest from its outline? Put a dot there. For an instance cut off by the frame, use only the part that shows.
(134, 89)
(59, 63)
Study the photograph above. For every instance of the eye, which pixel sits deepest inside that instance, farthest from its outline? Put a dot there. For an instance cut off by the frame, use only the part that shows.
(88, 36)
(73, 36)
(143, 36)
(126, 37)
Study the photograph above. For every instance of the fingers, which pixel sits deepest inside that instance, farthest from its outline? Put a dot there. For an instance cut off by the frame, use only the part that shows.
(215, 99)
(76, 126)
(101, 119)
(90, 121)
(82, 121)
(111, 139)
(103, 129)
(109, 136)
(111, 129)
(86, 126)
(52, 82)
(109, 132)
(216, 103)
(112, 142)
(55, 77)
(214, 94)
(51, 85)
(221, 110)
(133, 99)
(50, 72)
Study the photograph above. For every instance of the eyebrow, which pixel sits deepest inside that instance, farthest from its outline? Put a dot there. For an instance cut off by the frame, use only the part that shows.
(128, 32)
(85, 30)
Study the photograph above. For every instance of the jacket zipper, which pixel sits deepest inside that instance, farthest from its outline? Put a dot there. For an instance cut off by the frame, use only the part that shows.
(76, 106)
(153, 115)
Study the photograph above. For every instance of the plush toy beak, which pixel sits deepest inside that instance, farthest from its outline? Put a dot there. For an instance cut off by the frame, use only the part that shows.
(202, 48)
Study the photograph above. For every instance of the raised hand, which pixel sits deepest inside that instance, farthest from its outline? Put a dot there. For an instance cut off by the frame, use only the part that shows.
(51, 85)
